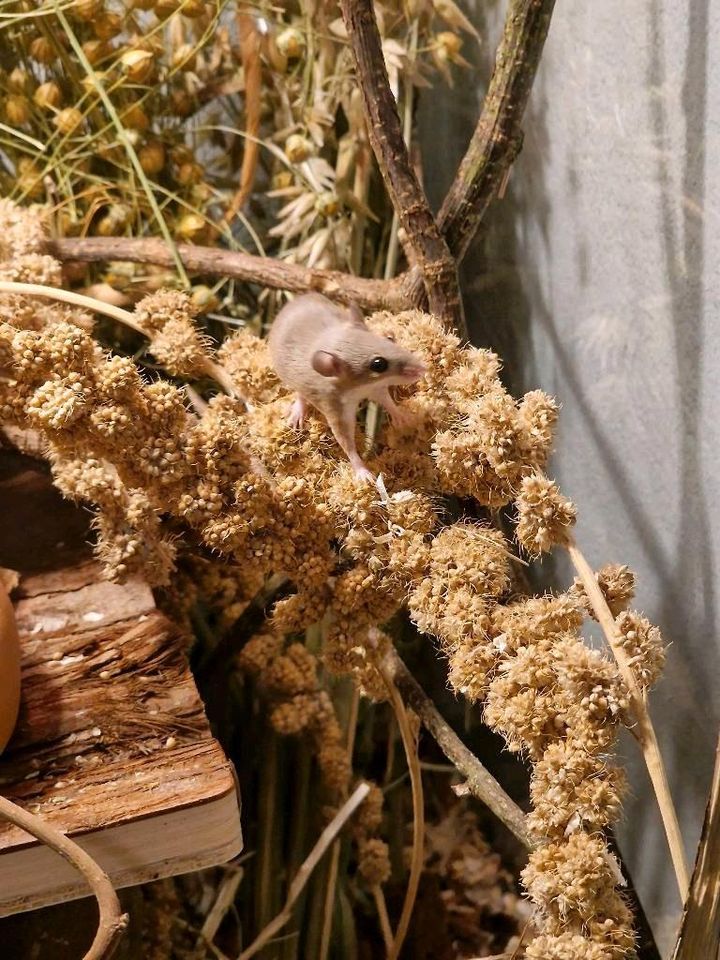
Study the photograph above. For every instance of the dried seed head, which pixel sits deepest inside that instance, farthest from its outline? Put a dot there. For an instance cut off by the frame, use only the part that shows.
(291, 43)
(68, 120)
(43, 50)
(545, 516)
(152, 157)
(48, 95)
(17, 110)
(298, 148)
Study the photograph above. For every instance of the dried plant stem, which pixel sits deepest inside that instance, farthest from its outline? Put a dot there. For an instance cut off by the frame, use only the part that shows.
(112, 922)
(383, 917)
(213, 261)
(430, 251)
(644, 730)
(479, 782)
(416, 859)
(250, 46)
(305, 871)
(330, 886)
(212, 369)
(700, 929)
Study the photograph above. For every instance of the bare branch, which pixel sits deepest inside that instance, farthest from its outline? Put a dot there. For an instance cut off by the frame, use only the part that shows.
(112, 921)
(497, 138)
(430, 252)
(479, 782)
(213, 261)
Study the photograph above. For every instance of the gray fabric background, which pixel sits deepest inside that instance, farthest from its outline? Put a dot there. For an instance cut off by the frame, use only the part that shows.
(597, 279)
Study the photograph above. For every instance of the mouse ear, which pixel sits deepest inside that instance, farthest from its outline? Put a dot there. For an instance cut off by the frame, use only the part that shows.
(356, 314)
(328, 364)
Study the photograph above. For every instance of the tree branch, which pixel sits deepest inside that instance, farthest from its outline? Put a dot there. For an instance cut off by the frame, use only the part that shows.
(430, 251)
(497, 138)
(214, 261)
(112, 922)
(479, 782)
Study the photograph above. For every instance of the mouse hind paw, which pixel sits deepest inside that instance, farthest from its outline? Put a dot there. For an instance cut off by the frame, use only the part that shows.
(296, 416)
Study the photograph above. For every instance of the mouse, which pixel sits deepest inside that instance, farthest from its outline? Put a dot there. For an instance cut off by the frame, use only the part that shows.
(326, 354)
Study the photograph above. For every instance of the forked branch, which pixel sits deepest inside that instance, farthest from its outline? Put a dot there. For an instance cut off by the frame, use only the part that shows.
(431, 253)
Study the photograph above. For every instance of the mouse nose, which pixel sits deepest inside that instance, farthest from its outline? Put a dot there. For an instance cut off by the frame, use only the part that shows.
(413, 371)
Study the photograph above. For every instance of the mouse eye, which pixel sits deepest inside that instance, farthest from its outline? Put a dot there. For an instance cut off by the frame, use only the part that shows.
(379, 364)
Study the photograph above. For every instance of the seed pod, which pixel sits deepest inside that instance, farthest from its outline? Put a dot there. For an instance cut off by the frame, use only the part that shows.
(165, 8)
(298, 148)
(30, 179)
(188, 173)
(43, 50)
(152, 157)
(183, 57)
(107, 26)
(19, 81)
(68, 119)
(190, 226)
(135, 117)
(193, 8)
(182, 103)
(17, 110)
(449, 42)
(96, 50)
(204, 299)
(87, 9)
(139, 65)
(48, 95)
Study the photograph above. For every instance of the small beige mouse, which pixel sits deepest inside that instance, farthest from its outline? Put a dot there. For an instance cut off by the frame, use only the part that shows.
(327, 355)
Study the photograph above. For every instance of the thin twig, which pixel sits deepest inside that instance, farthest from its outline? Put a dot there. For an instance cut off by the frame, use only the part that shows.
(112, 921)
(416, 860)
(305, 871)
(214, 261)
(700, 928)
(431, 253)
(644, 730)
(212, 369)
(479, 782)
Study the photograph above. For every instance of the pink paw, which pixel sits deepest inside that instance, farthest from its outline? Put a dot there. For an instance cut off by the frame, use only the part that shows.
(362, 473)
(296, 417)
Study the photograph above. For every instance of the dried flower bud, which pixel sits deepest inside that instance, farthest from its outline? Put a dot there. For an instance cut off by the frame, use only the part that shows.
(43, 50)
(107, 25)
(19, 81)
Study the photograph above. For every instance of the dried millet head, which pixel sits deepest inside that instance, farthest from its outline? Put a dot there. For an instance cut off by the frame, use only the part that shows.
(58, 403)
(180, 348)
(295, 715)
(374, 861)
(22, 229)
(157, 309)
(571, 946)
(32, 268)
(369, 816)
(573, 790)
(643, 643)
(545, 516)
(494, 423)
(334, 764)
(477, 376)
(535, 618)
(617, 583)
(538, 414)
(424, 335)
(464, 470)
(291, 673)
(471, 555)
(247, 360)
(572, 880)
(259, 652)
(471, 663)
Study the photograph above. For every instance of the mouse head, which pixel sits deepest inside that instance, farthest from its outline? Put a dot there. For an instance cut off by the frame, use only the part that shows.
(358, 357)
